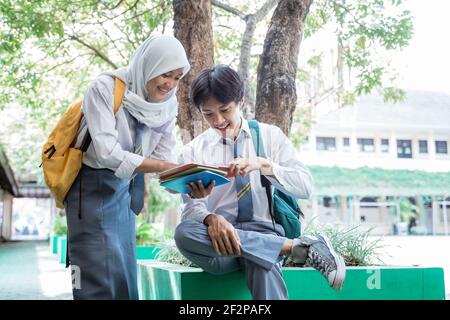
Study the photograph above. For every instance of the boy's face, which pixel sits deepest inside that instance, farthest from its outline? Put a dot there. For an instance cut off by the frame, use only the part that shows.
(224, 118)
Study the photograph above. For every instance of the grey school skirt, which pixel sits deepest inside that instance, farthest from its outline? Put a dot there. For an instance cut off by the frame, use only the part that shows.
(101, 236)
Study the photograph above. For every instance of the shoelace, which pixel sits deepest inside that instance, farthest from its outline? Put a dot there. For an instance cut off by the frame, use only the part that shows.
(316, 260)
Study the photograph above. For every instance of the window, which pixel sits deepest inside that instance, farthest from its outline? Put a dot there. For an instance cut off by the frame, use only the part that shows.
(366, 145)
(404, 149)
(328, 202)
(346, 142)
(441, 147)
(384, 145)
(325, 143)
(423, 146)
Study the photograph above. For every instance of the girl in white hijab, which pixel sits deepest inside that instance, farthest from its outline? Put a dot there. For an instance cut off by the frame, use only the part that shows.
(108, 192)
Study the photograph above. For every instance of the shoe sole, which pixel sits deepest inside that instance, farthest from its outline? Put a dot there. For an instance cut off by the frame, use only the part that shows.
(340, 266)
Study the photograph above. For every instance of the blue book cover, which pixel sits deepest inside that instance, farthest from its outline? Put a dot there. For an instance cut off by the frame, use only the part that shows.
(179, 184)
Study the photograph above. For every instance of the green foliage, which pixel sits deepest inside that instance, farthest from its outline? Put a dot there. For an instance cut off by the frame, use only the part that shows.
(51, 49)
(169, 253)
(159, 200)
(407, 209)
(147, 234)
(60, 225)
(365, 31)
(302, 123)
(332, 180)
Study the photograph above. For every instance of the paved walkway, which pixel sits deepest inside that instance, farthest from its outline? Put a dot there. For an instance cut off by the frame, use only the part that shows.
(29, 271)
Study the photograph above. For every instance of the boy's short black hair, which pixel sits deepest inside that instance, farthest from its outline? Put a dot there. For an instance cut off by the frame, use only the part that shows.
(220, 82)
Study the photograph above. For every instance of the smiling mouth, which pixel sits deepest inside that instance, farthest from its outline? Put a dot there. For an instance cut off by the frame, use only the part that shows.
(163, 90)
(223, 127)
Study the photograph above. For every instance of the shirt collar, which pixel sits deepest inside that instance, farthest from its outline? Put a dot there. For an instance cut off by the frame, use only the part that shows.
(215, 137)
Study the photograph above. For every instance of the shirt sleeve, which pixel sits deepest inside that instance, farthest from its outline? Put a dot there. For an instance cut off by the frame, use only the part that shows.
(195, 209)
(290, 175)
(166, 150)
(98, 109)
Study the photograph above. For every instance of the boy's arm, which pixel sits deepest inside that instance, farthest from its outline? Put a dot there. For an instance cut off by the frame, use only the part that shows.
(288, 173)
(195, 209)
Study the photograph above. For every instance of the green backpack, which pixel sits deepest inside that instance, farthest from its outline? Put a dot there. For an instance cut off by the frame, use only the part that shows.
(284, 209)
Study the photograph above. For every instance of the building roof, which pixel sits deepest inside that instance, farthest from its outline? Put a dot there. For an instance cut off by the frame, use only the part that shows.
(337, 181)
(7, 180)
(421, 109)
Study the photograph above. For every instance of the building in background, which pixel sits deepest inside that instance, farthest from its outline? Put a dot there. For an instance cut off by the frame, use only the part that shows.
(383, 165)
(8, 190)
(26, 208)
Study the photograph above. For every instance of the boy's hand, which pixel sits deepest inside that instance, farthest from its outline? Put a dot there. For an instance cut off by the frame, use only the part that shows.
(243, 166)
(197, 190)
(224, 237)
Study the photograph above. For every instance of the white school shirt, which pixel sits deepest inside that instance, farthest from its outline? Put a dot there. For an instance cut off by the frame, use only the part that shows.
(113, 135)
(290, 175)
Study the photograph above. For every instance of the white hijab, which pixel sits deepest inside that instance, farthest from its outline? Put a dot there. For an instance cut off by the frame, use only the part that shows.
(157, 55)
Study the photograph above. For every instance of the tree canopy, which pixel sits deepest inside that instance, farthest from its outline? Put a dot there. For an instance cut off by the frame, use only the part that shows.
(51, 49)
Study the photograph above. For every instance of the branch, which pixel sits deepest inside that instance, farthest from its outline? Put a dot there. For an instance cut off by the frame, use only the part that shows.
(105, 32)
(69, 61)
(229, 9)
(264, 10)
(346, 9)
(95, 50)
(114, 7)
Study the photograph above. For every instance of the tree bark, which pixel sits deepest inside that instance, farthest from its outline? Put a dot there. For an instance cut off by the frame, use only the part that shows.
(276, 96)
(244, 64)
(193, 27)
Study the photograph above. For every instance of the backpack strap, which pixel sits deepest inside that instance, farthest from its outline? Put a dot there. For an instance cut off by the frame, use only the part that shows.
(119, 92)
(257, 142)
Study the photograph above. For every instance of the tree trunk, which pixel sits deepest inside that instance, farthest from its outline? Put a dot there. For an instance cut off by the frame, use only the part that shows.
(244, 64)
(276, 96)
(193, 27)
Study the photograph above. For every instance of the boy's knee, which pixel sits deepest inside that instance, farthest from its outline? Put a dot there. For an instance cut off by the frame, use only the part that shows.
(183, 232)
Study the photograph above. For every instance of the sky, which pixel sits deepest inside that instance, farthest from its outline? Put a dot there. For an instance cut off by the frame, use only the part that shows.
(425, 63)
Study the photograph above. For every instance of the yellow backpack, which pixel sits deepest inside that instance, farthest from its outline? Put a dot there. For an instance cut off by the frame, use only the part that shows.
(61, 161)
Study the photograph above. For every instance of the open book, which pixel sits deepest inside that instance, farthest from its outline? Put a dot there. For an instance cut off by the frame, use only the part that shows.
(177, 178)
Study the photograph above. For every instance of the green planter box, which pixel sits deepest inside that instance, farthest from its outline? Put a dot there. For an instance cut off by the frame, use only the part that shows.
(54, 244)
(163, 281)
(146, 252)
(62, 249)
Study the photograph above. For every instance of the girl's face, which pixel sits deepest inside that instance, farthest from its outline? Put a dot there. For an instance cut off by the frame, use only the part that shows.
(159, 87)
(224, 118)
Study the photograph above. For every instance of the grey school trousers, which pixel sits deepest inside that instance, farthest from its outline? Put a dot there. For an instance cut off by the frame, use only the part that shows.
(259, 260)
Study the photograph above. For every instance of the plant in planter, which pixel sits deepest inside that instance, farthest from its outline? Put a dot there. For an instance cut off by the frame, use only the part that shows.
(169, 253)
(352, 243)
(149, 237)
